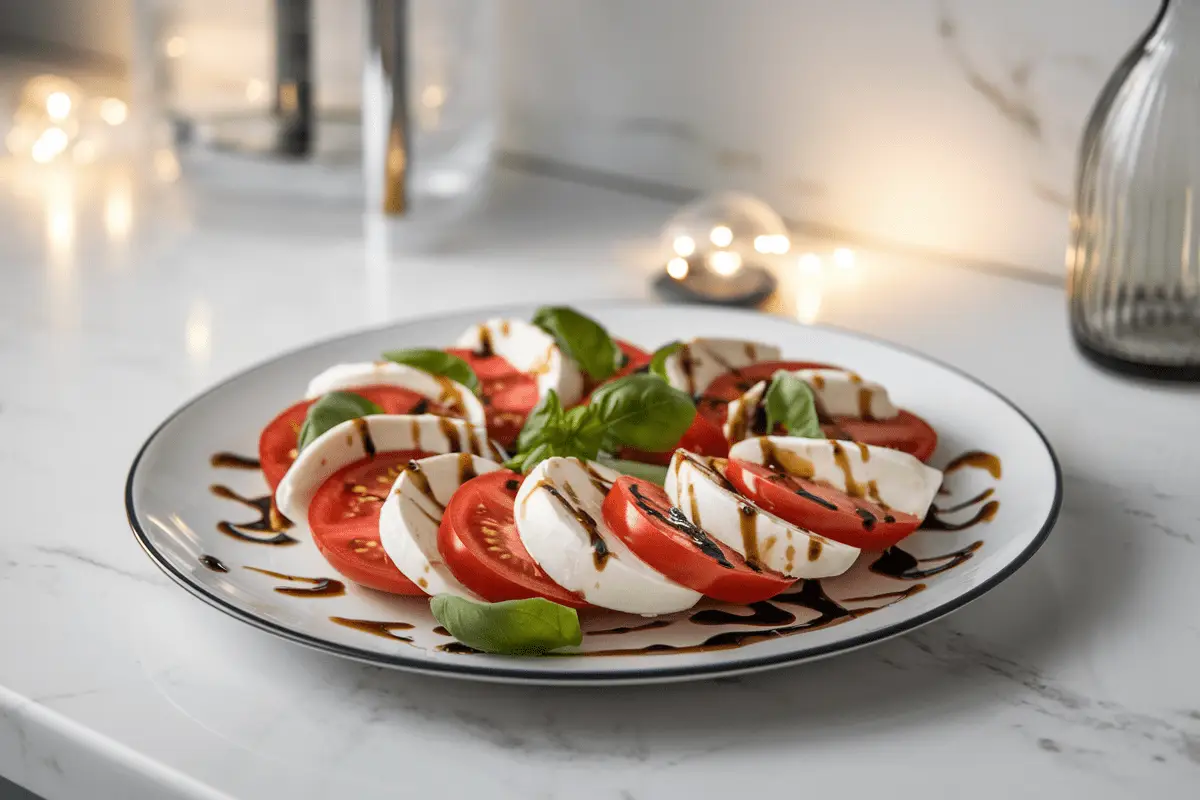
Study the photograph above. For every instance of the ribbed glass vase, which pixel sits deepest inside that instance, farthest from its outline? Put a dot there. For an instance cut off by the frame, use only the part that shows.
(1134, 259)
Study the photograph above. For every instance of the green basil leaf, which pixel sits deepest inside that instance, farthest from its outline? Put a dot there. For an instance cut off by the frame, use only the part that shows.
(546, 418)
(790, 401)
(581, 338)
(647, 472)
(513, 627)
(642, 411)
(437, 362)
(658, 361)
(332, 410)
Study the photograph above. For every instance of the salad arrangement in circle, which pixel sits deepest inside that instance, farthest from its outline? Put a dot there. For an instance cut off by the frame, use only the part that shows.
(543, 467)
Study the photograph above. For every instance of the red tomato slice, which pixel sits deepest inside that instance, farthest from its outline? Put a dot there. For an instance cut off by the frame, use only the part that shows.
(702, 438)
(821, 508)
(640, 514)
(509, 395)
(344, 518)
(907, 432)
(478, 540)
(277, 443)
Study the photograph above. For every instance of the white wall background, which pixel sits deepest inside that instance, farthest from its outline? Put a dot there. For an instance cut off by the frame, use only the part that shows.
(945, 124)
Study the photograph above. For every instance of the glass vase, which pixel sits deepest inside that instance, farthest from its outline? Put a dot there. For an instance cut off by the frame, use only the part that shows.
(1134, 259)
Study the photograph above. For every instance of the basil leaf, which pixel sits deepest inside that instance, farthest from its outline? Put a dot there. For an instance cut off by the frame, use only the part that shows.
(513, 627)
(642, 411)
(647, 472)
(547, 417)
(581, 338)
(790, 401)
(332, 410)
(437, 362)
(658, 361)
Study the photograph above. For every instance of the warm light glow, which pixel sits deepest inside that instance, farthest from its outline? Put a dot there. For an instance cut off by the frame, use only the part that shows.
(49, 145)
(433, 96)
(113, 111)
(777, 244)
(84, 152)
(166, 165)
(808, 302)
(725, 263)
(677, 268)
(843, 257)
(58, 105)
(721, 236)
(810, 264)
(118, 211)
(684, 245)
(17, 140)
(198, 332)
(255, 90)
(175, 47)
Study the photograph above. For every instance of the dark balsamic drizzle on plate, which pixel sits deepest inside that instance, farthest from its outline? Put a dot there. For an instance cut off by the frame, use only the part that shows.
(213, 563)
(321, 587)
(985, 514)
(902, 565)
(270, 521)
(375, 628)
(224, 460)
(646, 626)
(762, 614)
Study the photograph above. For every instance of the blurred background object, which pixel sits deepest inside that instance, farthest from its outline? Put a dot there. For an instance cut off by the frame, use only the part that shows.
(1135, 250)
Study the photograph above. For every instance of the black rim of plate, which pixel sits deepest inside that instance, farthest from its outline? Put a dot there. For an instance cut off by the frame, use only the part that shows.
(532, 674)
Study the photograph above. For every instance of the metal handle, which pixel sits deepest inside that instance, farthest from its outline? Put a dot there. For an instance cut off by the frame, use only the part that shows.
(386, 142)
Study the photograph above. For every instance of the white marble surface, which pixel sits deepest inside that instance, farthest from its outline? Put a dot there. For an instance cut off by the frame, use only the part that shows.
(1076, 678)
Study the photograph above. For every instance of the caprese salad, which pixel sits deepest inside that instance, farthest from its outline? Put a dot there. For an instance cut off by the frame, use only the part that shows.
(538, 468)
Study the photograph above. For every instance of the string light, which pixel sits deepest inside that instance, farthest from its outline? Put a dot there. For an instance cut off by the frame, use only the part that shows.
(684, 246)
(678, 268)
(58, 105)
(843, 257)
(725, 263)
(113, 111)
(721, 236)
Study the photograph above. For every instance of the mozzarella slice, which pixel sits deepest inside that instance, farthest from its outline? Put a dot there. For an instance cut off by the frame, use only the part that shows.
(845, 394)
(559, 519)
(451, 394)
(409, 518)
(357, 439)
(694, 366)
(889, 477)
(530, 349)
(697, 487)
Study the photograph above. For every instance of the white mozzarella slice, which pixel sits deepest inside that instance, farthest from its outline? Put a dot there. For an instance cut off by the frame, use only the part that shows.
(697, 487)
(451, 394)
(357, 439)
(694, 366)
(409, 518)
(845, 394)
(740, 413)
(889, 477)
(559, 519)
(529, 349)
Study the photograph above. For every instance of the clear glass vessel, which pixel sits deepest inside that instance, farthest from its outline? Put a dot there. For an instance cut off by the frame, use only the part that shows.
(1134, 260)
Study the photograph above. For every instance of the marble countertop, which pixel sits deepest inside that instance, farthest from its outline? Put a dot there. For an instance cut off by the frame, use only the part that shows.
(1075, 678)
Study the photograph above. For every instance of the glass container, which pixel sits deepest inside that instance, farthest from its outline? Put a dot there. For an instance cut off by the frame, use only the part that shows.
(1134, 257)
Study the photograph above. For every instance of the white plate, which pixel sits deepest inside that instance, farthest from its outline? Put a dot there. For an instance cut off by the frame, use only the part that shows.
(176, 517)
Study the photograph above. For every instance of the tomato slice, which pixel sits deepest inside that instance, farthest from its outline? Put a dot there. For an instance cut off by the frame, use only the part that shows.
(509, 395)
(277, 443)
(344, 518)
(640, 514)
(478, 540)
(821, 508)
(906, 432)
(702, 437)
